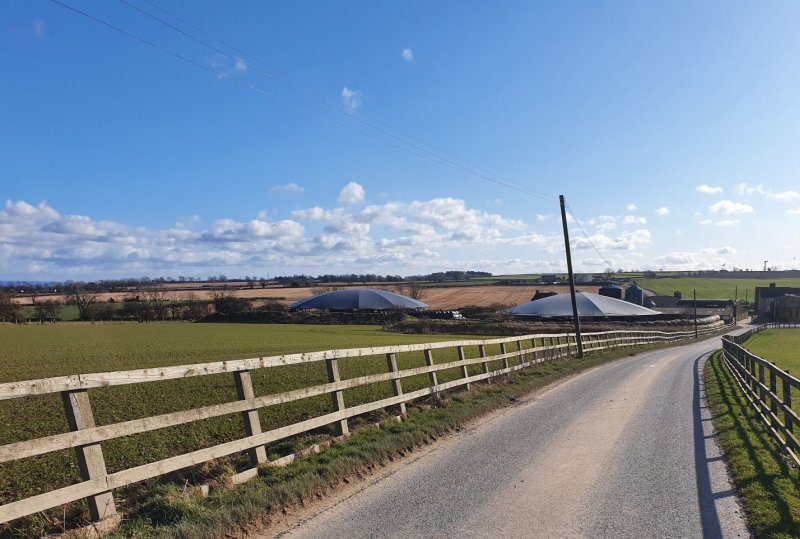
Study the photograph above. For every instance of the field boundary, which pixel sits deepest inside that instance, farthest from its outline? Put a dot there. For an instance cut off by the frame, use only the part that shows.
(86, 438)
(757, 378)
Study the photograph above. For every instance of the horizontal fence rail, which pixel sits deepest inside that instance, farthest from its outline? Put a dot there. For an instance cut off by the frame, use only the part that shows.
(766, 387)
(86, 438)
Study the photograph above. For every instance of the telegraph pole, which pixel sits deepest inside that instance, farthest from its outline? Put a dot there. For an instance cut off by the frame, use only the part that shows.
(578, 338)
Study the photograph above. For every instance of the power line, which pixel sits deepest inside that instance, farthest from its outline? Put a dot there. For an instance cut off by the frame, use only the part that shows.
(350, 112)
(420, 152)
(578, 224)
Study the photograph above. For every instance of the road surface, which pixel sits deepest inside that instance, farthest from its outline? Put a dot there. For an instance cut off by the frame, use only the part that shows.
(623, 450)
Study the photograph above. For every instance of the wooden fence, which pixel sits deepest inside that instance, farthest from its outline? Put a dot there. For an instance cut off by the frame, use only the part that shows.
(766, 387)
(86, 438)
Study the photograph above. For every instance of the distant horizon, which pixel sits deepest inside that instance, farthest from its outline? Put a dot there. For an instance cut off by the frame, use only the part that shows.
(241, 279)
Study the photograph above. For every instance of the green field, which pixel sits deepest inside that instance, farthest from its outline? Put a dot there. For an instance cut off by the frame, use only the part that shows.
(712, 288)
(36, 351)
(779, 346)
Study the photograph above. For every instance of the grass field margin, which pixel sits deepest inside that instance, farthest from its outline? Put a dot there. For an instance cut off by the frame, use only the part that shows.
(226, 512)
(766, 483)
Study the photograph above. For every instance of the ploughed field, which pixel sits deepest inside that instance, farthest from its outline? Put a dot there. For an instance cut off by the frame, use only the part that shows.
(444, 297)
(34, 351)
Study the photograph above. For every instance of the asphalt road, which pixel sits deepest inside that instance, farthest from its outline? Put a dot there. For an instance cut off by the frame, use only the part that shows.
(623, 450)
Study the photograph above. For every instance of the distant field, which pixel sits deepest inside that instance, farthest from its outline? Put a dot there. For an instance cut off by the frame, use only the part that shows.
(711, 288)
(779, 346)
(37, 351)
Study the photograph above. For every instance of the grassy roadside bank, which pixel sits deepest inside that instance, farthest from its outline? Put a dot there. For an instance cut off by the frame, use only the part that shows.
(768, 487)
(234, 511)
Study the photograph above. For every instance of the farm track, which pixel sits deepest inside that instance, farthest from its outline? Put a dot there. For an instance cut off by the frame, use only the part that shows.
(623, 450)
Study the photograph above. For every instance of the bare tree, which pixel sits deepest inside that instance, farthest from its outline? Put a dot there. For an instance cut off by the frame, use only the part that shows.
(10, 311)
(48, 310)
(81, 297)
(158, 299)
(412, 289)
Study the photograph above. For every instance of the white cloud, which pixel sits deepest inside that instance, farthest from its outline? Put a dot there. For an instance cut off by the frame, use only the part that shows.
(634, 220)
(726, 222)
(240, 66)
(625, 241)
(785, 196)
(795, 211)
(351, 98)
(290, 187)
(352, 193)
(543, 217)
(407, 54)
(720, 251)
(663, 210)
(728, 207)
(631, 207)
(708, 190)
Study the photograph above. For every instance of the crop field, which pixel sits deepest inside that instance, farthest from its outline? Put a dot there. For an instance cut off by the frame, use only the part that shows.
(36, 351)
(779, 346)
(708, 288)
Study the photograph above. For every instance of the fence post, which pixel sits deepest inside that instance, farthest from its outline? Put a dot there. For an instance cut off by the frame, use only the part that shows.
(433, 380)
(506, 365)
(91, 463)
(397, 385)
(337, 397)
(252, 424)
(482, 353)
(533, 352)
(464, 369)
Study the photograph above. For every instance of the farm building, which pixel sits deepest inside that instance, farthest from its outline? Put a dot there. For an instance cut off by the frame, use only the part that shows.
(589, 306)
(724, 308)
(358, 299)
(766, 296)
(787, 309)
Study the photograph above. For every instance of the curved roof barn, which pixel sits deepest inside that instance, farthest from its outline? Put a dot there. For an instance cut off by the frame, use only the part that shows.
(589, 305)
(358, 299)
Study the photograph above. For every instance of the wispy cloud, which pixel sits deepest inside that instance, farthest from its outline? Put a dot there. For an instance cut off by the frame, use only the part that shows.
(631, 207)
(663, 210)
(708, 189)
(240, 66)
(39, 29)
(794, 211)
(780, 196)
(407, 54)
(728, 207)
(290, 187)
(351, 98)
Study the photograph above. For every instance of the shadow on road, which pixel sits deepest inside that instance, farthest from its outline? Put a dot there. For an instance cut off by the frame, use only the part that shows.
(709, 518)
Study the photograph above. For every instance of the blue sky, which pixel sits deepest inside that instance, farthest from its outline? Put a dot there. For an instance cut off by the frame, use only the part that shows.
(671, 128)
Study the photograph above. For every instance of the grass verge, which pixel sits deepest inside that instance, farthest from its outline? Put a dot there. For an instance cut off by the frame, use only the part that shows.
(767, 485)
(174, 513)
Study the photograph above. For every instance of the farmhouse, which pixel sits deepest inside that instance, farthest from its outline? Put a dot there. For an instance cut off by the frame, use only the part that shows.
(766, 297)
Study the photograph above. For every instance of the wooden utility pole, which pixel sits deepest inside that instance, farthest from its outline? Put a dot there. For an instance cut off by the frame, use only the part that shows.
(578, 339)
(694, 295)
